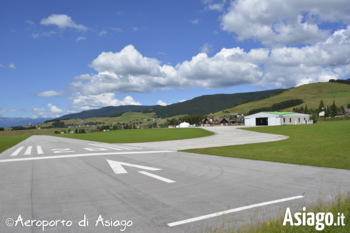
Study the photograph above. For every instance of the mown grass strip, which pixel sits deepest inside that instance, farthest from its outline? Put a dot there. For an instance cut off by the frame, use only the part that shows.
(141, 135)
(337, 95)
(322, 145)
(10, 141)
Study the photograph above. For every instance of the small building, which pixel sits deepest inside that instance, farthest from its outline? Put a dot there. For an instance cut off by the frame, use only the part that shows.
(184, 125)
(322, 113)
(213, 121)
(277, 118)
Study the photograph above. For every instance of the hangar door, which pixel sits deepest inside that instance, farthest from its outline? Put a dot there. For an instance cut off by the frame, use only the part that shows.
(261, 121)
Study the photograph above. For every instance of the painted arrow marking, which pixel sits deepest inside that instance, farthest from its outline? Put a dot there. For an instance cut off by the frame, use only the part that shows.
(118, 168)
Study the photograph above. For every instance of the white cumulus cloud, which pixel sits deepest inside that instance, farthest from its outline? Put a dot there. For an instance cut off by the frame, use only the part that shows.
(54, 109)
(12, 66)
(38, 112)
(129, 71)
(286, 22)
(62, 21)
(101, 100)
(161, 103)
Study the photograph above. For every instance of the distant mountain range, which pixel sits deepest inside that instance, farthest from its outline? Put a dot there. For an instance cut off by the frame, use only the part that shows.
(16, 121)
(108, 111)
(207, 104)
(200, 105)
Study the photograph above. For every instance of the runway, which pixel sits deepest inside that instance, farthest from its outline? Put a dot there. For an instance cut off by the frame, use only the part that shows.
(53, 178)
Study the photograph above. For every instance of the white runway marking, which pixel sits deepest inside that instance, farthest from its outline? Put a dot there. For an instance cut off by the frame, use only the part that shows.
(28, 151)
(231, 211)
(40, 151)
(95, 149)
(17, 151)
(116, 147)
(62, 150)
(81, 155)
(157, 177)
(118, 168)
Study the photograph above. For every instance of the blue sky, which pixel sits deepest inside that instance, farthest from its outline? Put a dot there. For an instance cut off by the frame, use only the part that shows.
(59, 57)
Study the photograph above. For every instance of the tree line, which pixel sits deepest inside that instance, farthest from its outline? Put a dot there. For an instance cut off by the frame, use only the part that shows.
(22, 128)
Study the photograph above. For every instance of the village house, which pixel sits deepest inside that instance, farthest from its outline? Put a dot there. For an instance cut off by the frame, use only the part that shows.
(213, 121)
(347, 112)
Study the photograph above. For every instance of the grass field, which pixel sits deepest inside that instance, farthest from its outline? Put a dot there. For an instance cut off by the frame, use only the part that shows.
(133, 117)
(311, 94)
(38, 131)
(323, 145)
(141, 135)
(337, 95)
(10, 141)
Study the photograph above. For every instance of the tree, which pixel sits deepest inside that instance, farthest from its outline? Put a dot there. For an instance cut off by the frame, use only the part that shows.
(348, 106)
(2, 129)
(342, 109)
(306, 110)
(314, 117)
(333, 109)
(321, 105)
(174, 121)
(76, 130)
(327, 112)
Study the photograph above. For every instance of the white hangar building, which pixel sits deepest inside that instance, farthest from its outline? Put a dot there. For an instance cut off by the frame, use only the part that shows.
(277, 118)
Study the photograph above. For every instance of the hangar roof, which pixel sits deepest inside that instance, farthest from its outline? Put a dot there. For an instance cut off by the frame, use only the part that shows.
(280, 113)
(276, 114)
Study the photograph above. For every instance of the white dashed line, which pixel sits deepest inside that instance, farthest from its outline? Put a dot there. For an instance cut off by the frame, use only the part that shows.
(28, 151)
(40, 151)
(17, 151)
(80, 155)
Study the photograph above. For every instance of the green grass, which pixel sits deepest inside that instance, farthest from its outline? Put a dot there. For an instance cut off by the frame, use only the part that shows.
(141, 135)
(337, 95)
(10, 141)
(323, 145)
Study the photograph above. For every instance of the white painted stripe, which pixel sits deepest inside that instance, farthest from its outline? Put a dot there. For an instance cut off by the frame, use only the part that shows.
(40, 151)
(231, 211)
(80, 155)
(157, 177)
(116, 147)
(106, 147)
(17, 151)
(28, 151)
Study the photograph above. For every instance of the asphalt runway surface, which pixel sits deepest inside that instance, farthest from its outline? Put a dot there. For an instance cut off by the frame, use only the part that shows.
(53, 179)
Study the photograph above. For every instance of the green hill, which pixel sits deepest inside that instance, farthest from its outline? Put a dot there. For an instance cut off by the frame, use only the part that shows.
(311, 94)
(107, 111)
(210, 103)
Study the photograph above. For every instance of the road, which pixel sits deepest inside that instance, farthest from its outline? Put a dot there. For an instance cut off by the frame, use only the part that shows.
(53, 178)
